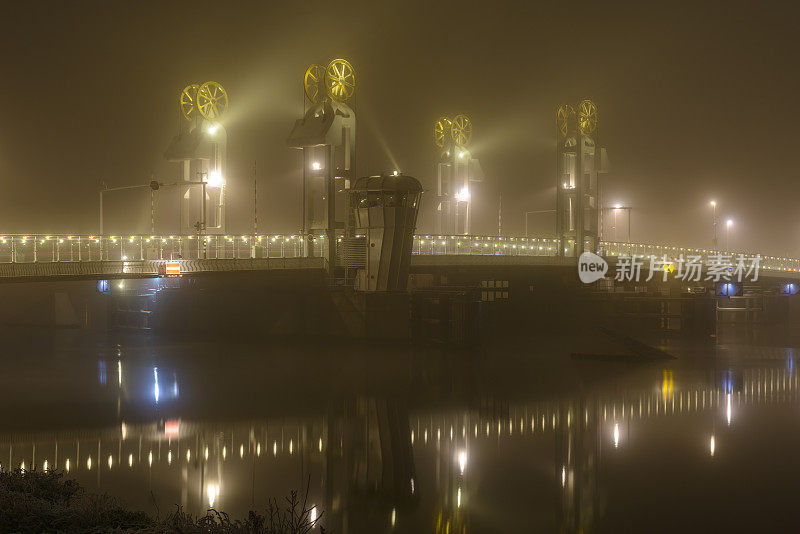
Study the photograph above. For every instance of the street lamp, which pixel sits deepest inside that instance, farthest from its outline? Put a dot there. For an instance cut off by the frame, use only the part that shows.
(714, 207)
(728, 225)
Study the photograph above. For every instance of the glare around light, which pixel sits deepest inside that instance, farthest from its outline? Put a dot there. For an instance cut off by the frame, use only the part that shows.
(212, 129)
(462, 461)
(316, 166)
(215, 179)
(463, 194)
(213, 492)
(728, 409)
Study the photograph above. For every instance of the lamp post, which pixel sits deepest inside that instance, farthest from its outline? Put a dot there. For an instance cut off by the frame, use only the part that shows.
(714, 208)
(153, 186)
(728, 225)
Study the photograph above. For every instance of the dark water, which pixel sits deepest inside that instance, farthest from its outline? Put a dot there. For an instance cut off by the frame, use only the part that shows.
(516, 438)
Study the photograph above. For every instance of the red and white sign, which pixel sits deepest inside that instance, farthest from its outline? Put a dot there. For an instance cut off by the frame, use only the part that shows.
(172, 428)
(173, 267)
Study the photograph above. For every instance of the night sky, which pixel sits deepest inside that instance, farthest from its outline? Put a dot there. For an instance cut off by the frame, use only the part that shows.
(695, 102)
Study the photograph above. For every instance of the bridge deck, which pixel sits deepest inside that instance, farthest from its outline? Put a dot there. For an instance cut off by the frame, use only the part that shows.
(54, 256)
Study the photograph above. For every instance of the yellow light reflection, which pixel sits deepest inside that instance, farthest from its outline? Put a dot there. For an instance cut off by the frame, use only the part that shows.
(212, 490)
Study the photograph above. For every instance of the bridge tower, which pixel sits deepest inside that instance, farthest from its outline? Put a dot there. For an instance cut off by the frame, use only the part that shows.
(456, 170)
(326, 137)
(200, 150)
(580, 161)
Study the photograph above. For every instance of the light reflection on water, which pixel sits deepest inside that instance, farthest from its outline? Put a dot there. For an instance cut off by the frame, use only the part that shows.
(573, 457)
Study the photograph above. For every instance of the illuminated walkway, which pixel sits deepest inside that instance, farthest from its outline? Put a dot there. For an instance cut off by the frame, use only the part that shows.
(145, 255)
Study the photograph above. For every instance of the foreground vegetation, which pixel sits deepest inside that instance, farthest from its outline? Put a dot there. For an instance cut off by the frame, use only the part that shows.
(36, 501)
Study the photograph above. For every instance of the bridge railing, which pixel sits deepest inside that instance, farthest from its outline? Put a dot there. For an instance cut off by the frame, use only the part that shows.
(40, 248)
(82, 248)
(484, 245)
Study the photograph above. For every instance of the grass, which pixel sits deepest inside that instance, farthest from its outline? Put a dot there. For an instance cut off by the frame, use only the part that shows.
(37, 501)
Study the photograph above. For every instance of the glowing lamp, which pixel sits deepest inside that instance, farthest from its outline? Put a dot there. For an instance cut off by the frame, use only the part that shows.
(215, 179)
(172, 429)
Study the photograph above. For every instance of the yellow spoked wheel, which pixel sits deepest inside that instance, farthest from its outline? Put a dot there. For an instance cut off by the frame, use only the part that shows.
(587, 117)
(441, 131)
(313, 80)
(212, 100)
(340, 80)
(188, 100)
(461, 131)
(563, 116)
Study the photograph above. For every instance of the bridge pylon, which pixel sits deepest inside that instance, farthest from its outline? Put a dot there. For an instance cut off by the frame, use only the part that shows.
(456, 171)
(580, 161)
(326, 136)
(200, 149)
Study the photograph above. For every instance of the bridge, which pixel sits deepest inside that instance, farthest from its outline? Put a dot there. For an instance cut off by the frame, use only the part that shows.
(40, 256)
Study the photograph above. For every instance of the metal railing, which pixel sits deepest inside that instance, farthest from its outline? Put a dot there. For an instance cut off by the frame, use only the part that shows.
(53, 248)
(83, 248)
(484, 245)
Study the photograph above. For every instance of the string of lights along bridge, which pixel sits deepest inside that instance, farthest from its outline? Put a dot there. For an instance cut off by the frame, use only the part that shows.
(326, 137)
(124, 252)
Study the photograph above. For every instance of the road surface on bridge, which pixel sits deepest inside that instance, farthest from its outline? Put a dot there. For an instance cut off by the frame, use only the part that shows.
(57, 256)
